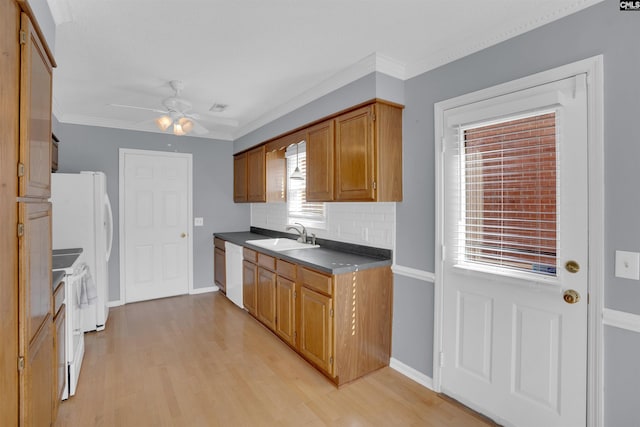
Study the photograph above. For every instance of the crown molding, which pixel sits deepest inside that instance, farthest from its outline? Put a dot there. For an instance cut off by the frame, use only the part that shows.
(369, 64)
(446, 56)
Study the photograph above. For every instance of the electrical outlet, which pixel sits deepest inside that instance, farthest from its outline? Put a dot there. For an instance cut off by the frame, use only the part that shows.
(628, 265)
(198, 222)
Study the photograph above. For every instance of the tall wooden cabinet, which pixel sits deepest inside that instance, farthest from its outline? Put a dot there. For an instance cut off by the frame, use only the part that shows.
(26, 319)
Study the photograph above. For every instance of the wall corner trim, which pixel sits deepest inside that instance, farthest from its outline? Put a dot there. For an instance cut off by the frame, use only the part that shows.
(414, 273)
(621, 319)
(411, 373)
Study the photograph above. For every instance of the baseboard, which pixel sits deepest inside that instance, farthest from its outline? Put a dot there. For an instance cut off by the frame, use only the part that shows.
(621, 319)
(116, 303)
(208, 289)
(411, 373)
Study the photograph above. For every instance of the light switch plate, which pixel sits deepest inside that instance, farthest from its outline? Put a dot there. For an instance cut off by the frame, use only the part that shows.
(198, 222)
(628, 265)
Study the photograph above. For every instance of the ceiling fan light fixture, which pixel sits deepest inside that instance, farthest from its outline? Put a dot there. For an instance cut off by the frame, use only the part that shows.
(177, 129)
(185, 124)
(164, 122)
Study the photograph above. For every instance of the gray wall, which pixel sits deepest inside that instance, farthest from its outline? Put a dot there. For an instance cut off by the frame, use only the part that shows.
(97, 149)
(600, 29)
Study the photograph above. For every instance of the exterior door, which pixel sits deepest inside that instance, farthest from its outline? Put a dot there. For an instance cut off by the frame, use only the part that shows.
(515, 252)
(156, 208)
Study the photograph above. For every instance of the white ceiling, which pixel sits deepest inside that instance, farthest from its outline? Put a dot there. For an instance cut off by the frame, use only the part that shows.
(263, 58)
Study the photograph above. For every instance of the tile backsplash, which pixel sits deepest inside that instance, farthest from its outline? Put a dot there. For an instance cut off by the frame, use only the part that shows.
(370, 224)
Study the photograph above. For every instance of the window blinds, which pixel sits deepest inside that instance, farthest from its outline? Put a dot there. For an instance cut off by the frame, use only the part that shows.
(509, 193)
(299, 210)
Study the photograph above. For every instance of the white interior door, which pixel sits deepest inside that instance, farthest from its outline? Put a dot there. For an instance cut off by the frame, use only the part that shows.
(515, 253)
(156, 194)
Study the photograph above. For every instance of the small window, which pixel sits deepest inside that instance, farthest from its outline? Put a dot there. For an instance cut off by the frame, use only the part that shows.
(509, 197)
(310, 214)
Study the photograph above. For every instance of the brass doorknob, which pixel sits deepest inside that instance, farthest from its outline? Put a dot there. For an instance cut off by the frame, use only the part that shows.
(183, 235)
(570, 296)
(572, 266)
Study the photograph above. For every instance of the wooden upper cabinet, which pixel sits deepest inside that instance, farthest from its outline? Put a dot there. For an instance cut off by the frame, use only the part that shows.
(320, 161)
(256, 175)
(240, 178)
(368, 153)
(355, 156)
(276, 176)
(35, 115)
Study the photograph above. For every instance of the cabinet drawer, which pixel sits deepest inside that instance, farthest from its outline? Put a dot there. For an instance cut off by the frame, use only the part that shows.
(58, 298)
(317, 281)
(266, 261)
(250, 255)
(218, 243)
(286, 269)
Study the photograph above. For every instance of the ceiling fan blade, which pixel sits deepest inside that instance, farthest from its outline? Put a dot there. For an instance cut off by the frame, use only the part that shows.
(198, 129)
(155, 110)
(195, 116)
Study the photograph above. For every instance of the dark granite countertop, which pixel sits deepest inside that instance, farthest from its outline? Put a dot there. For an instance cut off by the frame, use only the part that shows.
(60, 262)
(331, 257)
(57, 278)
(69, 251)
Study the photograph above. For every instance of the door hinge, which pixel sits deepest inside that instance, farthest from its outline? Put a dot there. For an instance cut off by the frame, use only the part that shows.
(20, 169)
(20, 364)
(443, 252)
(331, 360)
(295, 295)
(374, 185)
(443, 144)
(373, 117)
(23, 37)
(20, 229)
(331, 312)
(441, 359)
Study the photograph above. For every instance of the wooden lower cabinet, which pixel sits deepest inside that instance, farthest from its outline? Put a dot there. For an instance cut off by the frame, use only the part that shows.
(341, 323)
(38, 379)
(316, 329)
(249, 286)
(286, 310)
(267, 297)
(60, 358)
(219, 270)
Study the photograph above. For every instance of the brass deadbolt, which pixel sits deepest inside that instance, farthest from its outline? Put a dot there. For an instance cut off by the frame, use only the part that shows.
(570, 296)
(572, 266)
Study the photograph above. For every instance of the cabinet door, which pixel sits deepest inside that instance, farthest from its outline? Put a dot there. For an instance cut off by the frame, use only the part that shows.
(256, 184)
(35, 267)
(35, 115)
(37, 378)
(285, 310)
(267, 297)
(240, 178)
(276, 176)
(60, 358)
(219, 269)
(320, 162)
(316, 329)
(355, 156)
(249, 286)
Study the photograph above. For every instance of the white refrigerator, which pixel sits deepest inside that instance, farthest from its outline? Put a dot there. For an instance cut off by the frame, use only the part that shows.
(82, 218)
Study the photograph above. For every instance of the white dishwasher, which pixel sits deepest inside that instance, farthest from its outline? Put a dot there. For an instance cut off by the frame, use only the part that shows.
(233, 266)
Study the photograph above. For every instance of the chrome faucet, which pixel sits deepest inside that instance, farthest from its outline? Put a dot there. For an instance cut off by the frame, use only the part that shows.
(301, 233)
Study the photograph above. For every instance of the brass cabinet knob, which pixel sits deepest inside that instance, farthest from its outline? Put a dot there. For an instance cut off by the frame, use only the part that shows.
(570, 296)
(572, 266)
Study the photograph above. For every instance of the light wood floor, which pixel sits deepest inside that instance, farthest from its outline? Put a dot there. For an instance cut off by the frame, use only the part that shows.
(201, 361)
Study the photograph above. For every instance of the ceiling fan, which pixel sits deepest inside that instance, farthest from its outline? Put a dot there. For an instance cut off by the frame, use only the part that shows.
(177, 114)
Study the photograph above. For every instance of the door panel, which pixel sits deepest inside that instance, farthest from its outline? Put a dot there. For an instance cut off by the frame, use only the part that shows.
(285, 310)
(156, 225)
(316, 332)
(514, 173)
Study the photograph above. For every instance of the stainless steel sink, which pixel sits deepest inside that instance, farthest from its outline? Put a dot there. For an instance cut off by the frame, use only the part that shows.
(281, 244)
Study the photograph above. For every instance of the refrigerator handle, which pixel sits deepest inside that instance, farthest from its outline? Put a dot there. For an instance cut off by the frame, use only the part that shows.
(109, 224)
